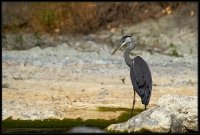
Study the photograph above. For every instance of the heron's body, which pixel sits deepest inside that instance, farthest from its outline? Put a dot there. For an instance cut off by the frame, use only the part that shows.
(139, 72)
(141, 79)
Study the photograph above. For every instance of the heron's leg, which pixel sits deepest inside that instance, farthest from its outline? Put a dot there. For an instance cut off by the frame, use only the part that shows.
(145, 107)
(133, 103)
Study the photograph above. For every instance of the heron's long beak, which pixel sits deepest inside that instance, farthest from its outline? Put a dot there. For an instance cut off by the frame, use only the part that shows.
(118, 47)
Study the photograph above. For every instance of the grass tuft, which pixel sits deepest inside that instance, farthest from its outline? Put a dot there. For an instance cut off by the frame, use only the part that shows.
(174, 51)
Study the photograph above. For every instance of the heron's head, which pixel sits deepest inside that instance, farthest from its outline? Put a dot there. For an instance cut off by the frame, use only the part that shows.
(126, 40)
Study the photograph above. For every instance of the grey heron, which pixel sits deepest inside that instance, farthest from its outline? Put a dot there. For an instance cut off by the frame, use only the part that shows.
(140, 73)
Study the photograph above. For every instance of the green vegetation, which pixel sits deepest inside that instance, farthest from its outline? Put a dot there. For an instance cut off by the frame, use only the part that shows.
(19, 43)
(49, 19)
(38, 38)
(113, 109)
(69, 123)
(174, 51)
(125, 115)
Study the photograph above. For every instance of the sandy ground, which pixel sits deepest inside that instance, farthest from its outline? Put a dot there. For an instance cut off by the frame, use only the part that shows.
(76, 90)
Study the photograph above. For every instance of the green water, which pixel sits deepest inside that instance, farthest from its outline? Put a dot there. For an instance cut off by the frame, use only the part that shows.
(62, 126)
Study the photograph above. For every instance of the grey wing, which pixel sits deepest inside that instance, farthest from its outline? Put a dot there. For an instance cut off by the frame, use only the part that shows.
(141, 79)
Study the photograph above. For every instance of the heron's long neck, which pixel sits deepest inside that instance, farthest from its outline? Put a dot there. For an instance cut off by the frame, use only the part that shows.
(127, 57)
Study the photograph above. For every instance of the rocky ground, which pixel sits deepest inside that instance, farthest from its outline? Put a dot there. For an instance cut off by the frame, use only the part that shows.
(74, 77)
(173, 114)
(62, 82)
